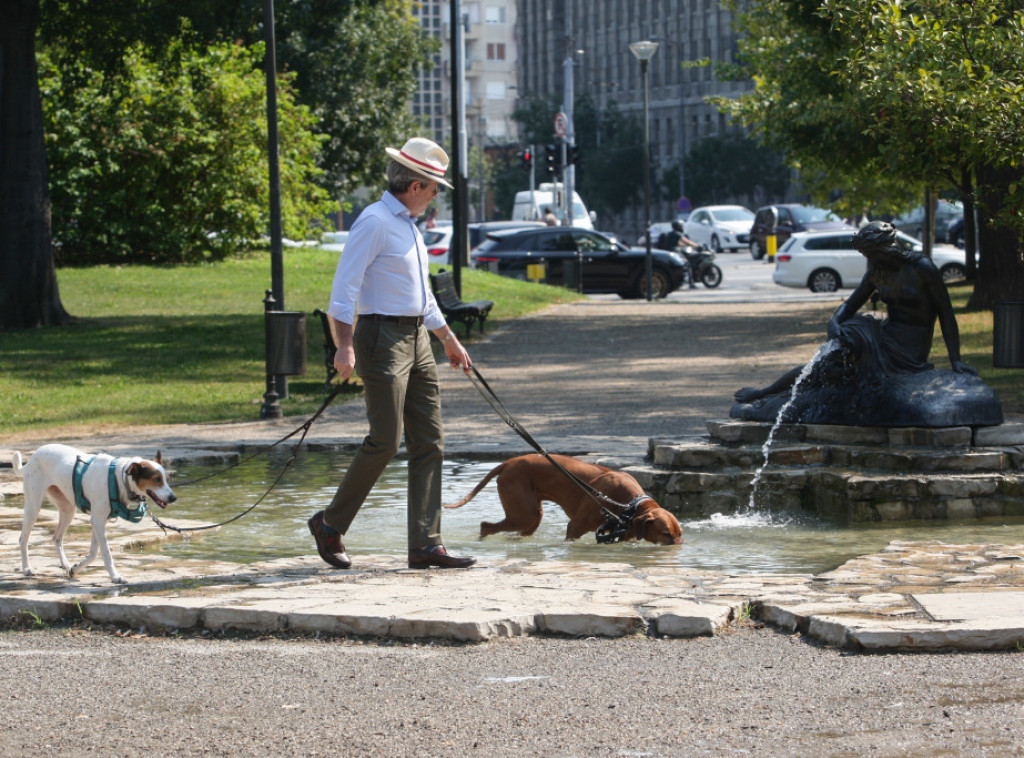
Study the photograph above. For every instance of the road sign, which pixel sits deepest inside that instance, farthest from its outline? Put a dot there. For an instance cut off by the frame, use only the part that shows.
(684, 205)
(561, 125)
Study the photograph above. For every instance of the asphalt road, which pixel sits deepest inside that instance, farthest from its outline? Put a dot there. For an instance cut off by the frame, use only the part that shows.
(749, 692)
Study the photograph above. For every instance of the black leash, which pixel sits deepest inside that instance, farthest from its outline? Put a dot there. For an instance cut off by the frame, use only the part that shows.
(615, 525)
(304, 428)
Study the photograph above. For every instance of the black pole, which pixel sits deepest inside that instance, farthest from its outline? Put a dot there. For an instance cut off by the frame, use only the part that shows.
(274, 172)
(648, 263)
(458, 252)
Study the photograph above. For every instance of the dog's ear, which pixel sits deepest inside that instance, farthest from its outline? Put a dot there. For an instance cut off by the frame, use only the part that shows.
(158, 459)
(133, 469)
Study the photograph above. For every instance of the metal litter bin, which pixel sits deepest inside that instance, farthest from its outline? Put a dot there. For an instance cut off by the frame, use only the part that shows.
(1008, 334)
(286, 343)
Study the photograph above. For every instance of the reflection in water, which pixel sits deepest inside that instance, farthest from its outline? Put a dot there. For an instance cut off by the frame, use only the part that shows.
(752, 541)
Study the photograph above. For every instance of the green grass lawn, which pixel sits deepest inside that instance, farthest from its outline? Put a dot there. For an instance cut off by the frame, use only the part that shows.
(976, 350)
(165, 345)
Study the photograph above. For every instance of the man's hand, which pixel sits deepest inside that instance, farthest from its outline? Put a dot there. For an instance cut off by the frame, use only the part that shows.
(457, 355)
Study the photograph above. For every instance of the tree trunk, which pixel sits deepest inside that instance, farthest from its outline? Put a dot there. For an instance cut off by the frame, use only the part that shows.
(1001, 248)
(28, 280)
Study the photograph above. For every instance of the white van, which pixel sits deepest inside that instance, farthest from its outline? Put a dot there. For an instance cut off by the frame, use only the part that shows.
(529, 206)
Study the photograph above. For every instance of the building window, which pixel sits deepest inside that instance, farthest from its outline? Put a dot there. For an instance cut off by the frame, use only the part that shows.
(494, 15)
(495, 90)
(495, 51)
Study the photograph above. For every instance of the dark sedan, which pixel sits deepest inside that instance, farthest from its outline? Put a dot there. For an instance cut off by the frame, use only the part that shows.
(551, 255)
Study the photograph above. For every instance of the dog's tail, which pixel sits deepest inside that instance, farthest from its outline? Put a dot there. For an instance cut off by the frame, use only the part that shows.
(16, 462)
(483, 483)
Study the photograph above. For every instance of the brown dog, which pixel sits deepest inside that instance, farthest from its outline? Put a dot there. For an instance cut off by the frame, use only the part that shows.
(526, 481)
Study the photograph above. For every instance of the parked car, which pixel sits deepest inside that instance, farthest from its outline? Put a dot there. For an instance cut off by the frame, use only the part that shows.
(720, 227)
(955, 231)
(784, 220)
(608, 265)
(478, 232)
(913, 223)
(827, 261)
(438, 240)
(333, 241)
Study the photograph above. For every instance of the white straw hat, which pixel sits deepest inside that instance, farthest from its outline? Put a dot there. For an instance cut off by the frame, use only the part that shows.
(424, 157)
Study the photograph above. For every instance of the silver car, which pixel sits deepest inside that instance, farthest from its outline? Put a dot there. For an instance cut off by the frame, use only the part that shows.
(827, 261)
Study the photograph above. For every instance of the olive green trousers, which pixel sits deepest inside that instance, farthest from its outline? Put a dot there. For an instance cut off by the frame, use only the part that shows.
(401, 390)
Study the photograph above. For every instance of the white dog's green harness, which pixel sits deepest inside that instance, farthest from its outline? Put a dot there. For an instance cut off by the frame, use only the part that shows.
(117, 508)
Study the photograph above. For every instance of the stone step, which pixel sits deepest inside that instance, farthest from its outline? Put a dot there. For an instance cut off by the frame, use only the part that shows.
(732, 432)
(845, 495)
(706, 455)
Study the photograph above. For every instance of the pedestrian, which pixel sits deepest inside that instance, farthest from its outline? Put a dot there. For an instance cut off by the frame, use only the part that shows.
(430, 222)
(549, 217)
(383, 277)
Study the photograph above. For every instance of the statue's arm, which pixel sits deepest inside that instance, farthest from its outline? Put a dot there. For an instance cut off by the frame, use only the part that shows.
(850, 306)
(939, 296)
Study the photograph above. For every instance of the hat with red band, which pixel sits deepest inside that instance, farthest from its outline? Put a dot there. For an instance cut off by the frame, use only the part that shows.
(424, 157)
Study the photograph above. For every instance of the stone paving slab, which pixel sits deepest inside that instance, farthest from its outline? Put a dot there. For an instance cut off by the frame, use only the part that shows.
(907, 596)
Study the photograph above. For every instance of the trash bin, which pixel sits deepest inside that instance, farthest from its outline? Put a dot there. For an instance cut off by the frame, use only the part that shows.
(286, 342)
(1008, 334)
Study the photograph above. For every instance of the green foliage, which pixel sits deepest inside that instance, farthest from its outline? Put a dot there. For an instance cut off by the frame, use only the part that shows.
(355, 62)
(805, 109)
(164, 160)
(733, 166)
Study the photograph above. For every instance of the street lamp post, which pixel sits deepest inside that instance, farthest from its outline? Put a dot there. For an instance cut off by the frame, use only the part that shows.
(644, 51)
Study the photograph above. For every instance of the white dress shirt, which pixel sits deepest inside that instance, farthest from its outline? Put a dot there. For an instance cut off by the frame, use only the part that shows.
(383, 268)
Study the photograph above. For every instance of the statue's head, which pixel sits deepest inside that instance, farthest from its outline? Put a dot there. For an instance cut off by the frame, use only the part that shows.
(877, 236)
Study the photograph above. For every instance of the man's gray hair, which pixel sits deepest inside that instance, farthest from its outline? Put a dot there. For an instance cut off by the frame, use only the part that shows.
(401, 176)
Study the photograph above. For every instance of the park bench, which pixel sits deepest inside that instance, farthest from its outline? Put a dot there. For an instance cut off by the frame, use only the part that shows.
(452, 306)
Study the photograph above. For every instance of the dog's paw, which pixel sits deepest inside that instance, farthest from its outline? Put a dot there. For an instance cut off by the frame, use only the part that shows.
(118, 579)
(27, 571)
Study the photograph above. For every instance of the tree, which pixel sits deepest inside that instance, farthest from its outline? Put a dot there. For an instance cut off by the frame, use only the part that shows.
(733, 166)
(164, 160)
(28, 282)
(355, 61)
(887, 97)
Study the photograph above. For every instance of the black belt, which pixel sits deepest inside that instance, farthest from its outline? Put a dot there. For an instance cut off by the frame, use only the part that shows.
(403, 320)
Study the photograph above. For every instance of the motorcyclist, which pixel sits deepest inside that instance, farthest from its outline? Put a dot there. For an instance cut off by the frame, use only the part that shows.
(675, 241)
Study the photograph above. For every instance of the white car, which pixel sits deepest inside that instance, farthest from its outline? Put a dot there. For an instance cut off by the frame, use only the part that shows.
(438, 240)
(720, 227)
(827, 261)
(333, 241)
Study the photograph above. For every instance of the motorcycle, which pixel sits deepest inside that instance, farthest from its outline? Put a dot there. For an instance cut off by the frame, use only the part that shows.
(699, 261)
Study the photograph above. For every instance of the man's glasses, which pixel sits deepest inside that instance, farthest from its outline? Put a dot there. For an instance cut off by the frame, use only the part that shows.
(437, 188)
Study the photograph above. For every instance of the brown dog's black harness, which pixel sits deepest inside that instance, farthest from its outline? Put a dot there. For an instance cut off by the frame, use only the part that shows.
(616, 525)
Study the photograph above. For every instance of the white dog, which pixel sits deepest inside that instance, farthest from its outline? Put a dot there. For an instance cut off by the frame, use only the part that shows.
(101, 485)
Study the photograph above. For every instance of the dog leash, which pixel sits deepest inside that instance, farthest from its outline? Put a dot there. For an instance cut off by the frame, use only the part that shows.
(304, 428)
(616, 524)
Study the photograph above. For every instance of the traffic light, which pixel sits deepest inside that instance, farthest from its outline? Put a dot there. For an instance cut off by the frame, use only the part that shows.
(552, 160)
(573, 155)
(526, 159)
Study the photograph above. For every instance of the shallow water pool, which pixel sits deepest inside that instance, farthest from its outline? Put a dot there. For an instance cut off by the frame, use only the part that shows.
(752, 542)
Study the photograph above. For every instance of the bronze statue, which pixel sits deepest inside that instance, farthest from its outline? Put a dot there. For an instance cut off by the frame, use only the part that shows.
(879, 374)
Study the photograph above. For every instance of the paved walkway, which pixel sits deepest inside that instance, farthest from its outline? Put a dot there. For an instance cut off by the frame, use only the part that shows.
(592, 378)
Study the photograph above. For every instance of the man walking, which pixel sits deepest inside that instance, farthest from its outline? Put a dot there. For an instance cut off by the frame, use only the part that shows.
(382, 275)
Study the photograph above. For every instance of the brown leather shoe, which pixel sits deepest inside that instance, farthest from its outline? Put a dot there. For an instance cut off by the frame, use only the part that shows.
(436, 555)
(328, 545)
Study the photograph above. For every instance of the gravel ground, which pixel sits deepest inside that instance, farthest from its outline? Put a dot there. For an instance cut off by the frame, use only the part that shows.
(753, 691)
